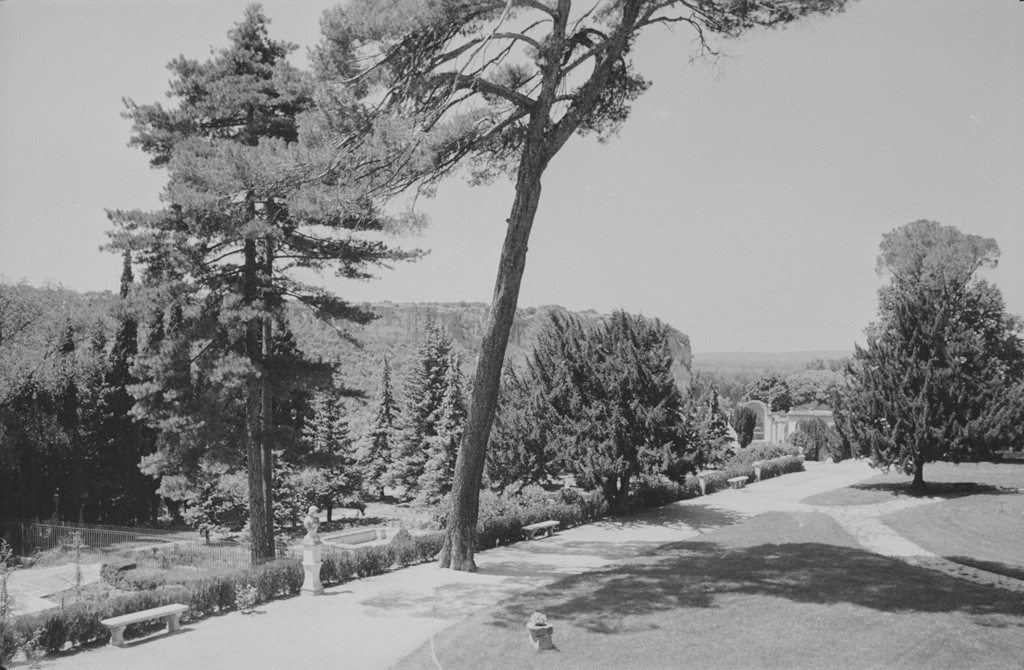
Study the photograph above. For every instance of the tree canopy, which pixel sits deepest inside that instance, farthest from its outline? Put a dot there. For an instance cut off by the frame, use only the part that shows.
(227, 252)
(942, 376)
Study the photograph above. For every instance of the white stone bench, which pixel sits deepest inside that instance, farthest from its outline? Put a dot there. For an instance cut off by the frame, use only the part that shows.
(547, 526)
(169, 613)
(738, 482)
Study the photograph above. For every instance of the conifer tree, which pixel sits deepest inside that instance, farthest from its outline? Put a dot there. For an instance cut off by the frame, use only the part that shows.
(424, 395)
(377, 454)
(612, 408)
(708, 428)
(444, 446)
(744, 421)
(126, 496)
(329, 472)
(942, 376)
(521, 450)
(224, 252)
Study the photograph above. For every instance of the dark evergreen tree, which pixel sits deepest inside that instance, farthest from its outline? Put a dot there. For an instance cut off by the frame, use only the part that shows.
(942, 376)
(615, 410)
(329, 473)
(380, 441)
(124, 494)
(424, 396)
(744, 421)
(221, 257)
(522, 447)
(444, 446)
(707, 426)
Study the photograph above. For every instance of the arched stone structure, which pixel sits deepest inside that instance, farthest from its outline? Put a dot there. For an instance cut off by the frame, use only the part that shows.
(764, 414)
(780, 425)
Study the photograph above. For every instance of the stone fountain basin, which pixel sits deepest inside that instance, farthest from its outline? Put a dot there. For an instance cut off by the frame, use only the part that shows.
(357, 536)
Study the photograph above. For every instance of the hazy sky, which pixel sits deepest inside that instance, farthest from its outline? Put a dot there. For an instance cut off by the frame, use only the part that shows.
(743, 201)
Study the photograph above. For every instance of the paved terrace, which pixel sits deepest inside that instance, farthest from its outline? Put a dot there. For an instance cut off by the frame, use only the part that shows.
(374, 622)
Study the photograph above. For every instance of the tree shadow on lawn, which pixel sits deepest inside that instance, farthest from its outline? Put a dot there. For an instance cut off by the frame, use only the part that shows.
(945, 490)
(869, 493)
(696, 574)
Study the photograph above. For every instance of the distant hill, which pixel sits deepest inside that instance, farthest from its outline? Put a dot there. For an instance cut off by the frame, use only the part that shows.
(359, 350)
(767, 360)
(732, 371)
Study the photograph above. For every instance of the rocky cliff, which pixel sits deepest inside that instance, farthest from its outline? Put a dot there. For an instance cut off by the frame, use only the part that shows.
(398, 328)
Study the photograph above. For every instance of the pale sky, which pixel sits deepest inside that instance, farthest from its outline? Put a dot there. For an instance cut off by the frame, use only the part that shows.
(742, 203)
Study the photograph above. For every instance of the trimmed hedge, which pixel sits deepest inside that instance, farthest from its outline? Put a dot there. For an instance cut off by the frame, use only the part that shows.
(657, 493)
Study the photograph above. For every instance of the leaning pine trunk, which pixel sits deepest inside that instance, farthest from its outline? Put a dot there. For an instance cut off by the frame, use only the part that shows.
(460, 535)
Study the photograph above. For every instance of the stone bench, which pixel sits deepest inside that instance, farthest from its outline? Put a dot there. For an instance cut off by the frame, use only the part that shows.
(547, 527)
(738, 482)
(169, 613)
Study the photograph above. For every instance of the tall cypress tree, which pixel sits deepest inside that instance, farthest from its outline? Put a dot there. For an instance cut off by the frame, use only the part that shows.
(224, 250)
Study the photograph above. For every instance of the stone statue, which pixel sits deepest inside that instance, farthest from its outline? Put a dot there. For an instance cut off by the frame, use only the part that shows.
(312, 523)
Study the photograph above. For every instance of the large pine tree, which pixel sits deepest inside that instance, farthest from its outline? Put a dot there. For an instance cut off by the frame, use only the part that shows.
(221, 258)
(502, 86)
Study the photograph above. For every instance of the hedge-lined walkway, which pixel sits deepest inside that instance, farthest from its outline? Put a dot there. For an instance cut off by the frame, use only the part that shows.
(373, 622)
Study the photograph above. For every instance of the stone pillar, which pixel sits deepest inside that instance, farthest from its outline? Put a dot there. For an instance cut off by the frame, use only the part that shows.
(311, 585)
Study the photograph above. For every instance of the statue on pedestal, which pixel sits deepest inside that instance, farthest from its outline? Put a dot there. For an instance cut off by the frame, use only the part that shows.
(312, 524)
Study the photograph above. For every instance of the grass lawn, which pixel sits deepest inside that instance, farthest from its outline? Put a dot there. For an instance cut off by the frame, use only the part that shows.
(944, 480)
(979, 520)
(781, 590)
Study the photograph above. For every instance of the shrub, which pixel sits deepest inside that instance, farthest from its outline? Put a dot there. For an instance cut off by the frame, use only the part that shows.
(403, 549)
(818, 441)
(428, 546)
(113, 572)
(206, 596)
(337, 568)
(276, 578)
(246, 597)
(761, 451)
(370, 561)
(8, 642)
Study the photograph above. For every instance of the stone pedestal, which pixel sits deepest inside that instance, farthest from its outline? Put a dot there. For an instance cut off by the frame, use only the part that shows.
(540, 636)
(311, 585)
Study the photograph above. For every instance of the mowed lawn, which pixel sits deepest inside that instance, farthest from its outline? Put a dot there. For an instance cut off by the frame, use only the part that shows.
(781, 590)
(977, 521)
